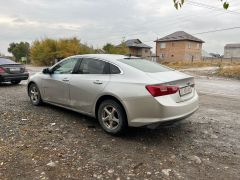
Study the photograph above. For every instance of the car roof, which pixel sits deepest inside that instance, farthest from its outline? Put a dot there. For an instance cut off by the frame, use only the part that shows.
(108, 57)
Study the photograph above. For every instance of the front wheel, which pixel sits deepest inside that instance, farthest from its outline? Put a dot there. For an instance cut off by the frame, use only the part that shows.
(15, 81)
(34, 94)
(112, 117)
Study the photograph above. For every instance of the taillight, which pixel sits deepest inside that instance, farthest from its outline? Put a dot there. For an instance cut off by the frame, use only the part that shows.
(158, 90)
(2, 70)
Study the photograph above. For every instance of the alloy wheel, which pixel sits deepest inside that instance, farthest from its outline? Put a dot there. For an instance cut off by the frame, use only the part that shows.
(110, 117)
(34, 94)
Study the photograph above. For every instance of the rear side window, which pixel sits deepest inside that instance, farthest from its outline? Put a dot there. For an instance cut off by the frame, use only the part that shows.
(6, 61)
(145, 65)
(93, 66)
(114, 69)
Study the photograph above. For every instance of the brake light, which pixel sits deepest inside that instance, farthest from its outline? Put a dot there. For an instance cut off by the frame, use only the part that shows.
(2, 70)
(158, 90)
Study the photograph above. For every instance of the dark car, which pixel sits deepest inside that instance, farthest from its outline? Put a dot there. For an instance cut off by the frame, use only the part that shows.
(11, 71)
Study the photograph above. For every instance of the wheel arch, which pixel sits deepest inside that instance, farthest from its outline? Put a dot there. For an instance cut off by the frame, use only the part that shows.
(29, 84)
(108, 97)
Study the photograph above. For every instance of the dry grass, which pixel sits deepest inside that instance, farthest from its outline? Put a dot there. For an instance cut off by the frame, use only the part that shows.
(186, 65)
(231, 72)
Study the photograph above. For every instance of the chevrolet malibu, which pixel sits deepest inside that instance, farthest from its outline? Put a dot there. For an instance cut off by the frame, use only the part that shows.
(119, 91)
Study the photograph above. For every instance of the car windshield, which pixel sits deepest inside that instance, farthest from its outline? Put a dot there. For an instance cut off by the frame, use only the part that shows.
(6, 61)
(145, 65)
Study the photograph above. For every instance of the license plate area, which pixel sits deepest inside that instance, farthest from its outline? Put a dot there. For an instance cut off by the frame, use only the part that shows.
(14, 69)
(185, 90)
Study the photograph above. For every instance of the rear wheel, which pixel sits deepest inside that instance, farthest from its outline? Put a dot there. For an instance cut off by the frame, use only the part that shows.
(111, 117)
(15, 81)
(34, 95)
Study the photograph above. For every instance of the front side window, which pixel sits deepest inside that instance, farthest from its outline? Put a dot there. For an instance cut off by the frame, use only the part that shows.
(65, 67)
(93, 66)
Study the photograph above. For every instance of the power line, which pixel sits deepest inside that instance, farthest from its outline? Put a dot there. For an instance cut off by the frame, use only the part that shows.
(166, 25)
(173, 21)
(207, 32)
(218, 30)
(202, 5)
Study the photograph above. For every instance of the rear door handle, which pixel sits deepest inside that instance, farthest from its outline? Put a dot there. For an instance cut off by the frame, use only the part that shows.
(65, 79)
(97, 82)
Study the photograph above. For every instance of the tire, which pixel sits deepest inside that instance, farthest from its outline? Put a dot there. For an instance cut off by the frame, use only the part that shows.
(112, 117)
(15, 81)
(34, 95)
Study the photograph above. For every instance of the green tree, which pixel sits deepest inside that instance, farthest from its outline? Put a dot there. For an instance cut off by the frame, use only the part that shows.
(179, 3)
(120, 49)
(67, 47)
(45, 51)
(109, 48)
(19, 50)
(85, 49)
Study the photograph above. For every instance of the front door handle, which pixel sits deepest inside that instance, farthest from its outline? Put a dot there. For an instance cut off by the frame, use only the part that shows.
(97, 82)
(65, 79)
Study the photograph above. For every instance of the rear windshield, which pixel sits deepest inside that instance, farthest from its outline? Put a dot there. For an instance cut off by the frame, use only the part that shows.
(6, 61)
(145, 65)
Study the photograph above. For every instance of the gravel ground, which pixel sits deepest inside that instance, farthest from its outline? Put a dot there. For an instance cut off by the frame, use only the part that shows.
(48, 142)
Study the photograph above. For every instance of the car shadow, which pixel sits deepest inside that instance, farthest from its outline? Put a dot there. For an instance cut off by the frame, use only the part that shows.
(162, 132)
(7, 84)
(88, 121)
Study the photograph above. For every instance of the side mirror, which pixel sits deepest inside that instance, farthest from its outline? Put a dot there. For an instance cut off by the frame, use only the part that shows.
(46, 71)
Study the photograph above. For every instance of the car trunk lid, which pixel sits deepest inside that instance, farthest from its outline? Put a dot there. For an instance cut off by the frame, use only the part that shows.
(175, 78)
(14, 68)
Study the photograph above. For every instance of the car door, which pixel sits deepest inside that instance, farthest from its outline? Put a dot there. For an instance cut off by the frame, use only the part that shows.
(56, 84)
(89, 82)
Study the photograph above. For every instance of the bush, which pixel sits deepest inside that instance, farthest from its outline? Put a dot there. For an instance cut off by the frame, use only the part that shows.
(120, 49)
(231, 72)
(45, 51)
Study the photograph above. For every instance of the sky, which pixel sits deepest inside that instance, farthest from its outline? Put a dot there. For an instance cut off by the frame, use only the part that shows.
(97, 22)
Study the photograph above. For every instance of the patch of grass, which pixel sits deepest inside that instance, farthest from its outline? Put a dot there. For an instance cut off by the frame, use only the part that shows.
(187, 64)
(230, 72)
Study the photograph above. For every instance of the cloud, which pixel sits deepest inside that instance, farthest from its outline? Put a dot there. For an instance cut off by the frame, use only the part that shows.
(98, 22)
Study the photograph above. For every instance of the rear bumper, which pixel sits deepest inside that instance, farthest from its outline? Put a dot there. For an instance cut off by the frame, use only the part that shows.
(14, 77)
(147, 111)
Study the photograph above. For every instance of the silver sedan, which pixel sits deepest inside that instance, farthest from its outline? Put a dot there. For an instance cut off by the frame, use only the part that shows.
(119, 91)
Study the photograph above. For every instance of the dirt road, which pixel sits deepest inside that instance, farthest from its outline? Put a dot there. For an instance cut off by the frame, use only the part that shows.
(48, 142)
(52, 143)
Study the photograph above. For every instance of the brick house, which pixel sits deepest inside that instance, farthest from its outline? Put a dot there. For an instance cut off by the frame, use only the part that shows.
(179, 46)
(137, 48)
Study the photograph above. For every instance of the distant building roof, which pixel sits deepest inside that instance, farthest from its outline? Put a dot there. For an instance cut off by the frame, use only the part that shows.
(179, 36)
(136, 43)
(232, 46)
